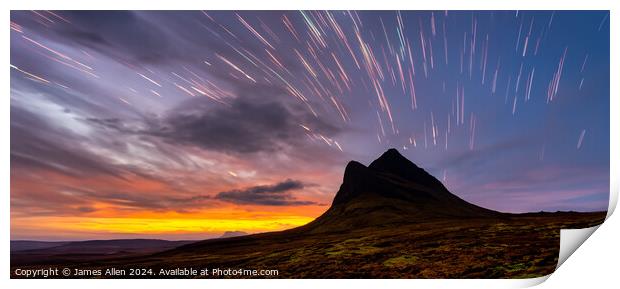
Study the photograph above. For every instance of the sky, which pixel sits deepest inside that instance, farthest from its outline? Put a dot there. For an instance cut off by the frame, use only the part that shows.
(187, 124)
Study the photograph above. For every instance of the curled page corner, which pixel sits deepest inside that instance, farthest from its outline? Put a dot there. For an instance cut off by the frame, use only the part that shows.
(531, 282)
(613, 199)
(571, 239)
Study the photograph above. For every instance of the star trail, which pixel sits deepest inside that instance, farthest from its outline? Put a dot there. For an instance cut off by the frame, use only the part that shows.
(124, 117)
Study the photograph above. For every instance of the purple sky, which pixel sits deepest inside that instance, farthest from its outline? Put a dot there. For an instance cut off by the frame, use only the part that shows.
(158, 112)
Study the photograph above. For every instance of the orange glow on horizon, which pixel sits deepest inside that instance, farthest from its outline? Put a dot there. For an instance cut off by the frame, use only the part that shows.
(164, 225)
(167, 224)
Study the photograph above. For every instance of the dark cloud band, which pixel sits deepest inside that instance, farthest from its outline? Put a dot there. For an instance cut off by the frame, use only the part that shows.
(270, 195)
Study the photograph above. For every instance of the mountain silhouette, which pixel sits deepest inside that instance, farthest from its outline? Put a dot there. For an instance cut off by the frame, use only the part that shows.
(392, 189)
(230, 234)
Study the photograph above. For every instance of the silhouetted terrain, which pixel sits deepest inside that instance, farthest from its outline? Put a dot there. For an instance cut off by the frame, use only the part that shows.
(392, 190)
(36, 252)
(229, 234)
(24, 245)
(388, 220)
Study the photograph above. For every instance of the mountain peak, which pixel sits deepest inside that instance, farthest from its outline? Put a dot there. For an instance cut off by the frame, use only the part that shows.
(391, 189)
(391, 152)
(362, 180)
(354, 172)
(390, 158)
(393, 163)
(353, 166)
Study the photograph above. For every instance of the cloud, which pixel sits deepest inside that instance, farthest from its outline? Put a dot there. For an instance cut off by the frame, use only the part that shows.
(139, 38)
(34, 144)
(122, 35)
(86, 209)
(245, 126)
(270, 195)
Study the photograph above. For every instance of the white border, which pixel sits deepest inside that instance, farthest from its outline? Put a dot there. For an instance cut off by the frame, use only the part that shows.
(564, 278)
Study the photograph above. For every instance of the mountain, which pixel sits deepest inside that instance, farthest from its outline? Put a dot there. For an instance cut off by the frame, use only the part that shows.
(24, 245)
(25, 252)
(230, 234)
(392, 189)
(117, 245)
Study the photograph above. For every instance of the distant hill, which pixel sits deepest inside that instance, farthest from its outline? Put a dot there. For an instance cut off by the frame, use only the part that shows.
(96, 246)
(24, 245)
(37, 252)
(230, 234)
